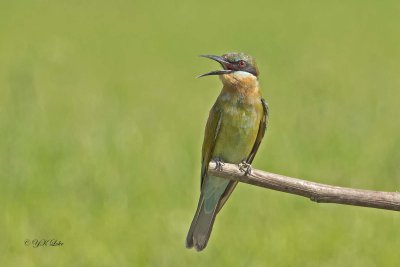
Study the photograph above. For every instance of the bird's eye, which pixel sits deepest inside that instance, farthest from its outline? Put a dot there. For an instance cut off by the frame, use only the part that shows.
(242, 63)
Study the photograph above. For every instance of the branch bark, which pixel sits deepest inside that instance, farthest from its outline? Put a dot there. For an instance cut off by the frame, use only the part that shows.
(317, 192)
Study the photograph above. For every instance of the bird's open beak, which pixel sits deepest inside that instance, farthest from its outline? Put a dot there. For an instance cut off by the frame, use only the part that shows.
(228, 67)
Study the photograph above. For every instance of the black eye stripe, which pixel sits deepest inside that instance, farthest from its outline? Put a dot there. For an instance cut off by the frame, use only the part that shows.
(247, 67)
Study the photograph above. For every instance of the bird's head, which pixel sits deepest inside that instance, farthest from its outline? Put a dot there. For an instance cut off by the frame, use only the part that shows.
(239, 69)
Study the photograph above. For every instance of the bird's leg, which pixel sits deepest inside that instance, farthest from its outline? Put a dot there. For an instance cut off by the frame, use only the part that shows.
(245, 167)
(218, 163)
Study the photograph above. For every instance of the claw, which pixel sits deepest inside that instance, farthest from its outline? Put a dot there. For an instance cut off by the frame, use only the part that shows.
(245, 167)
(218, 164)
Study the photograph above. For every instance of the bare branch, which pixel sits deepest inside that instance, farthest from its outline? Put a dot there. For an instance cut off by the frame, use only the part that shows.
(316, 192)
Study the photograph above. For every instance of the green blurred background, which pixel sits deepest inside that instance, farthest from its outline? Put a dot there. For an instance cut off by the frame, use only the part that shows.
(101, 125)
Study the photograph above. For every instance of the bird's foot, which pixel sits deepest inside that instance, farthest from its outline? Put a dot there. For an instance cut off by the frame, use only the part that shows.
(245, 167)
(218, 163)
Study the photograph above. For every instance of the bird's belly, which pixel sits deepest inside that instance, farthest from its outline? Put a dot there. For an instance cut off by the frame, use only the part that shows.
(237, 135)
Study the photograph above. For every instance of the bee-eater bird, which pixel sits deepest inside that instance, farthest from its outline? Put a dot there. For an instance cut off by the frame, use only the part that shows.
(234, 130)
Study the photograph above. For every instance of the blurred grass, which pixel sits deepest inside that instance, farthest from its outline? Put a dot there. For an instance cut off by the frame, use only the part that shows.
(101, 124)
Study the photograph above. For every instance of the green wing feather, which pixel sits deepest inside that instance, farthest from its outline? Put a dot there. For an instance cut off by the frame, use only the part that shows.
(261, 131)
(201, 226)
(210, 136)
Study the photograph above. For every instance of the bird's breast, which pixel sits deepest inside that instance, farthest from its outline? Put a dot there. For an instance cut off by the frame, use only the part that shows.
(238, 131)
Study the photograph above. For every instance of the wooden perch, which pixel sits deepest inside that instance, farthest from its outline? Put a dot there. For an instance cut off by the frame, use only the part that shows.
(320, 193)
